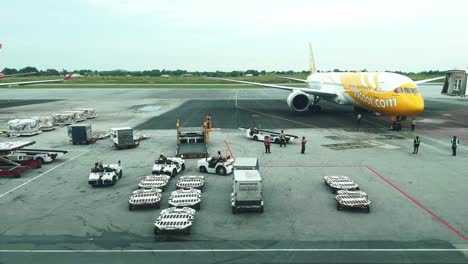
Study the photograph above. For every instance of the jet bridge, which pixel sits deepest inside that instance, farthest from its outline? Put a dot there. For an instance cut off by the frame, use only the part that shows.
(456, 83)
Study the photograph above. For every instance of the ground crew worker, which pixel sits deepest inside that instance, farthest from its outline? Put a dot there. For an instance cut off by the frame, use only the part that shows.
(358, 118)
(416, 143)
(162, 157)
(303, 143)
(219, 157)
(282, 139)
(208, 121)
(267, 144)
(413, 124)
(455, 143)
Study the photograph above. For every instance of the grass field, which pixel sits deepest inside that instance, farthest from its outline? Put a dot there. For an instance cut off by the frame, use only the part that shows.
(161, 82)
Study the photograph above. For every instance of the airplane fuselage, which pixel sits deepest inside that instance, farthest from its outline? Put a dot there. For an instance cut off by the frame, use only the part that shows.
(383, 92)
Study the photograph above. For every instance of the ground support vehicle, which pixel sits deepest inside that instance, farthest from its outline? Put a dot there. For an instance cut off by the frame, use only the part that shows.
(107, 174)
(122, 138)
(145, 198)
(187, 182)
(186, 198)
(81, 134)
(340, 183)
(171, 166)
(174, 221)
(352, 200)
(10, 168)
(260, 134)
(211, 165)
(247, 191)
(43, 155)
(154, 181)
(23, 127)
(192, 142)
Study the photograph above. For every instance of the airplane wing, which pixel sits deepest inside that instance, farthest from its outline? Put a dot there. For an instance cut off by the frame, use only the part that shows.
(428, 80)
(281, 87)
(37, 82)
(16, 74)
(292, 79)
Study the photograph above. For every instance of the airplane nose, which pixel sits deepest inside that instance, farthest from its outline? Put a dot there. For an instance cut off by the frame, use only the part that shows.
(417, 104)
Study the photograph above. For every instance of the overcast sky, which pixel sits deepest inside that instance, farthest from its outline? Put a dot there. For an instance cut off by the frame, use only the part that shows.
(213, 35)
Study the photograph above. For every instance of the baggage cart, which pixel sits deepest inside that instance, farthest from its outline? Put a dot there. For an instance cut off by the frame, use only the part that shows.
(187, 182)
(186, 198)
(340, 183)
(352, 200)
(154, 181)
(145, 198)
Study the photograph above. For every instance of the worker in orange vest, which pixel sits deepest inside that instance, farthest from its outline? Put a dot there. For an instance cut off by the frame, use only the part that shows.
(303, 143)
(208, 121)
(267, 144)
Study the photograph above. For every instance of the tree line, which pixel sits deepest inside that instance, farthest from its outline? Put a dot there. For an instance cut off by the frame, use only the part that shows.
(159, 73)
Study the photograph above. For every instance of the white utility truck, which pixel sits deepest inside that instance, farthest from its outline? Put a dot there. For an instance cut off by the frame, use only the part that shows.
(247, 193)
(260, 134)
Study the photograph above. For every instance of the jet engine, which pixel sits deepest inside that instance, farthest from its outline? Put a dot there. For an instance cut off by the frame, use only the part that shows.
(298, 101)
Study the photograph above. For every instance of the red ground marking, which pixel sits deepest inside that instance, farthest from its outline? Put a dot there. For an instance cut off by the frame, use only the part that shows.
(436, 217)
(229, 149)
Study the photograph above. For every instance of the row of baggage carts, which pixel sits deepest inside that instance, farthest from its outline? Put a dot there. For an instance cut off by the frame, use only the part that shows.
(183, 202)
(347, 193)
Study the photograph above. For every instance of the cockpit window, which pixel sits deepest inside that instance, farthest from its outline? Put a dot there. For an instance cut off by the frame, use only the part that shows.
(408, 90)
(398, 90)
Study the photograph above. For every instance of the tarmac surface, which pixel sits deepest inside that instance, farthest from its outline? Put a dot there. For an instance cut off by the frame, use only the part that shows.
(418, 211)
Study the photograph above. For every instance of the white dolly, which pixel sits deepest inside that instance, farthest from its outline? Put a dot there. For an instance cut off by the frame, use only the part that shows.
(145, 198)
(187, 182)
(337, 183)
(154, 181)
(186, 198)
(352, 200)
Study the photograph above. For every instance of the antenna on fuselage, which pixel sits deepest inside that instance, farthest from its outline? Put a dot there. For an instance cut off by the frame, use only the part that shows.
(313, 70)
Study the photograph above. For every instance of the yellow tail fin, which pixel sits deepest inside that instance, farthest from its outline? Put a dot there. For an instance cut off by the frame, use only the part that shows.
(313, 70)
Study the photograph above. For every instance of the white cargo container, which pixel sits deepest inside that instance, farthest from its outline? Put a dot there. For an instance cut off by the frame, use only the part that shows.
(122, 137)
(247, 191)
(23, 127)
(89, 112)
(63, 119)
(80, 115)
(46, 123)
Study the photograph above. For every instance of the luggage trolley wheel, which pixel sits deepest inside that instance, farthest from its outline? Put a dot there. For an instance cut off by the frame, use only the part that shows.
(187, 230)
(367, 209)
(234, 210)
(130, 207)
(156, 231)
(338, 206)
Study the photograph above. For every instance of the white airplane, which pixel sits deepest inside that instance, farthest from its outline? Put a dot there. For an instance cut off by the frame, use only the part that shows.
(37, 82)
(30, 82)
(382, 92)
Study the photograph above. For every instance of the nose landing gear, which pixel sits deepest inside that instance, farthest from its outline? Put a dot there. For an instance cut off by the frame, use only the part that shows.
(396, 123)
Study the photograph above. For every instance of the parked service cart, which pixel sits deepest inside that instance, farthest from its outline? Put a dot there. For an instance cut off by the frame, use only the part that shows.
(9, 168)
(171, 210)
(145, 198)
(174, 221)
(246, 164)
(46, 123)
(187, 182)
(81, 134)
(340, 183)
(260, 134)
(171, 166)
(43, 155)
(105, 174)
(23, 127)
(63, 119)
(352, 200)
(247, 191)
(211, 165)
(154, 181)
(186, 198)
(122, 137)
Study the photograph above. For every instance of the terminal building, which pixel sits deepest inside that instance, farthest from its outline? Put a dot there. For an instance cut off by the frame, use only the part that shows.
(455, 83)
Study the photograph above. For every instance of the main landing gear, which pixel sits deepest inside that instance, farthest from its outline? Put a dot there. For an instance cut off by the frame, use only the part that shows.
(314, 107)
(396, 123)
